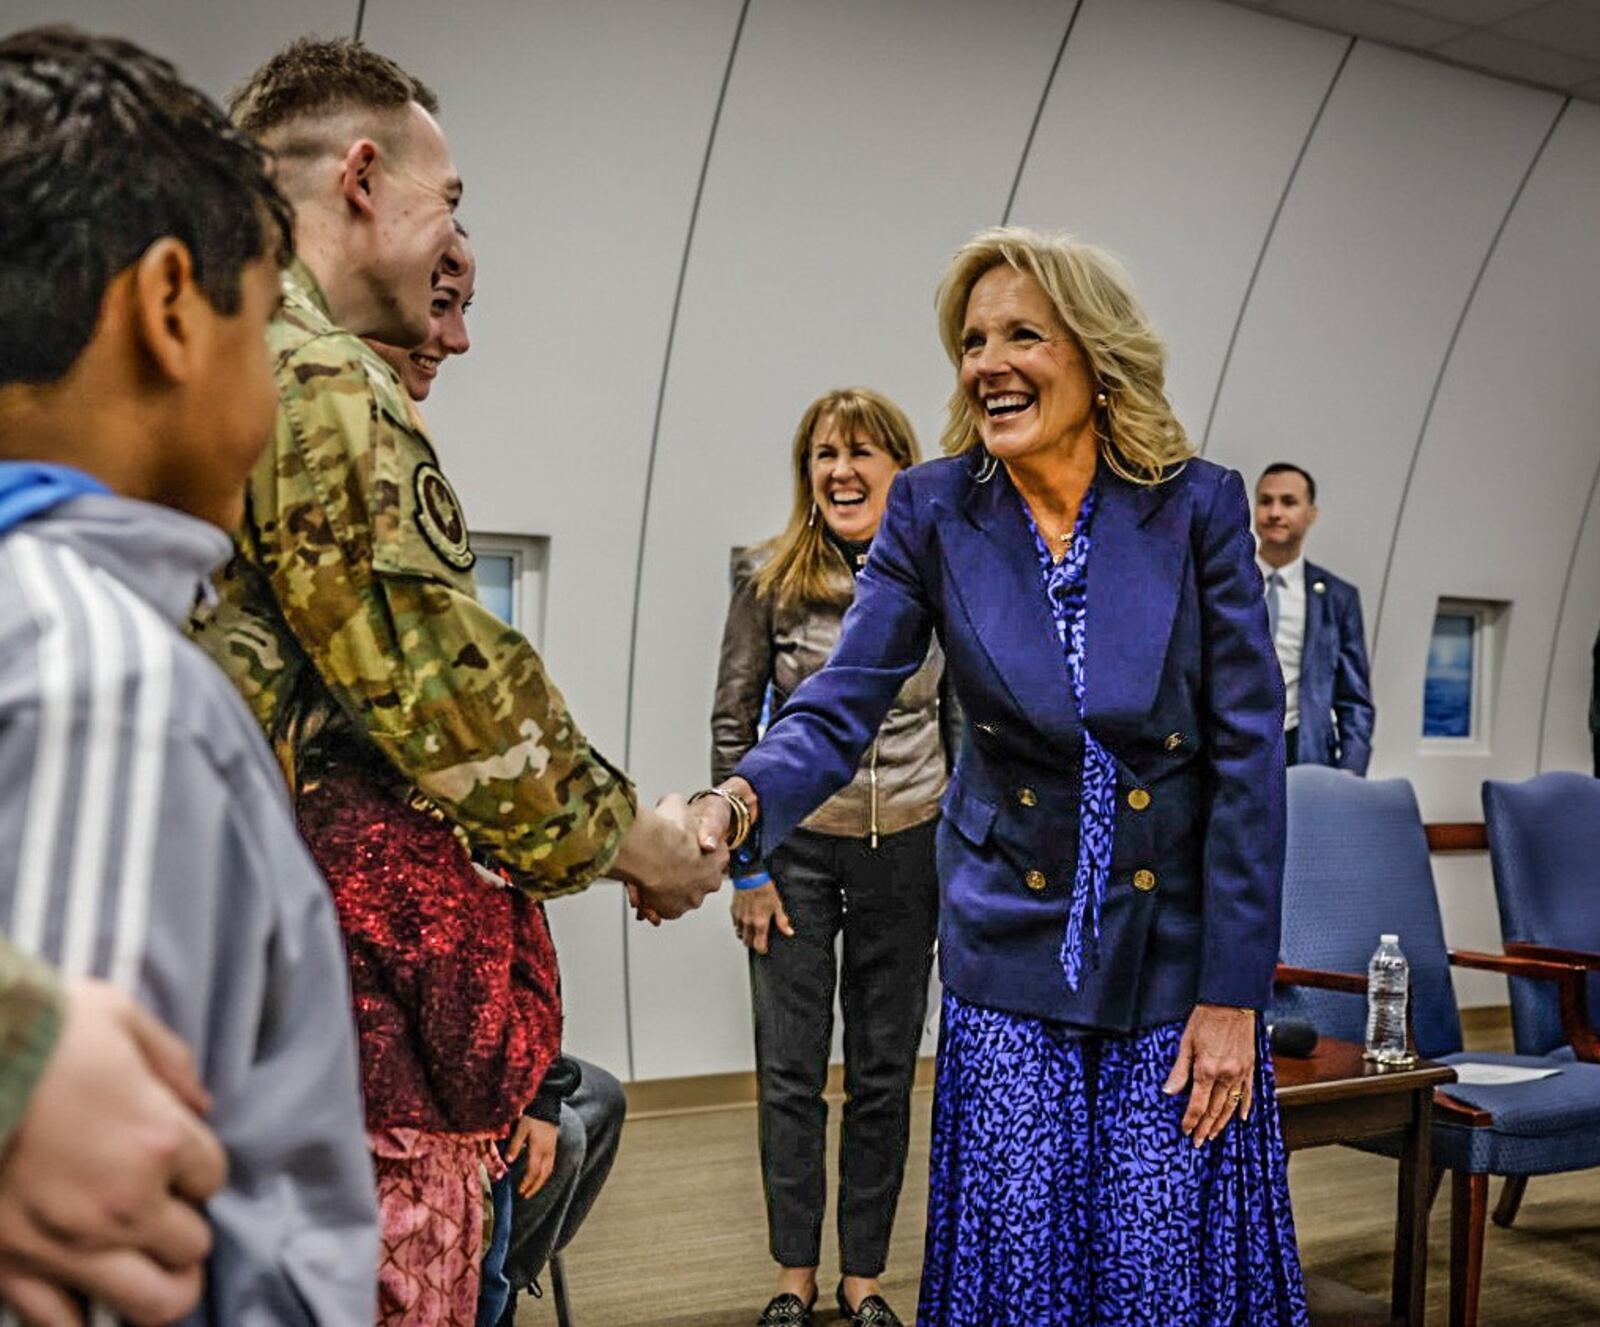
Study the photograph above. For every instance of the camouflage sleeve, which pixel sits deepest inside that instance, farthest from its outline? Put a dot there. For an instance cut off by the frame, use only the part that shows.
(370, 564)
(31, 1008)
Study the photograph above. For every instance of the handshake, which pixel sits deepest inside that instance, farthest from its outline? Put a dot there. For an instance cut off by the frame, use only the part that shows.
(677, 853)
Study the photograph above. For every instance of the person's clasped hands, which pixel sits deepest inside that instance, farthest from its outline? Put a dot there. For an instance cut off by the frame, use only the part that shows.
(669, 863)
(102, 1182)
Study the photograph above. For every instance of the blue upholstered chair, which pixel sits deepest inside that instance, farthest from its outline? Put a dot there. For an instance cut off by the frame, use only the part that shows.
(1358, 865)
(1544, 844)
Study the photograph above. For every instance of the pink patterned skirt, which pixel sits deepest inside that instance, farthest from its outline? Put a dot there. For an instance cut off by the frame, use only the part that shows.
(431, 1213)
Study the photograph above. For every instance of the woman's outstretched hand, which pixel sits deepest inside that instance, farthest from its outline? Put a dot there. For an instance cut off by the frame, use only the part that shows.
(1217, 1056)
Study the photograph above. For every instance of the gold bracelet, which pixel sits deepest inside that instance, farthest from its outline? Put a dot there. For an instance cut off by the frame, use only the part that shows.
(741, 818)
(739, 829)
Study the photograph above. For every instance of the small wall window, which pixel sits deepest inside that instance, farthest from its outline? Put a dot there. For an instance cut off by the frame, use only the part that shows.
(510, 573)
(1458, 686)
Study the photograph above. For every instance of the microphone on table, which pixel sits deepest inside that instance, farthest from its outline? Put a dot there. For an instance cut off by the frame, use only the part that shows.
(1293, 1037)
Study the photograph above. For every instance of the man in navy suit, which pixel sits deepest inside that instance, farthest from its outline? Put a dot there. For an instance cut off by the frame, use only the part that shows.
(1316, 627)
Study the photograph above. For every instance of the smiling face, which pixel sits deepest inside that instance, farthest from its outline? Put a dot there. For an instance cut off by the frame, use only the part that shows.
(1026, 380)
(447, 329)
(414, 201)
(850, 480)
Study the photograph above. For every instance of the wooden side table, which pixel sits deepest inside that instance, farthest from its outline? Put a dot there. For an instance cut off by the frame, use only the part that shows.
(1336, 1096)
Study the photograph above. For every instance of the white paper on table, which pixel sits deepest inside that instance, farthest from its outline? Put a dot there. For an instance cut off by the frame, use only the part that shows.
(1498, 1075)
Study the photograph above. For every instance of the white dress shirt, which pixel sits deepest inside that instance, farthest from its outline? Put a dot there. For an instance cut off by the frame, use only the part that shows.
(1291, 635)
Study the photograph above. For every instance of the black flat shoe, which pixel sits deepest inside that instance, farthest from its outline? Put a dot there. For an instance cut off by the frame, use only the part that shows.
(786, 1311)
(873, 1311)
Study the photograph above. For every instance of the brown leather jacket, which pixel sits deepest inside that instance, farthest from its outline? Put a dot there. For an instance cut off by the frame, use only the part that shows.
(903, 775)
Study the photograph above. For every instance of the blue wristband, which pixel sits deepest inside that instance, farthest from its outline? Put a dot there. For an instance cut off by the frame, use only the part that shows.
(757, 881)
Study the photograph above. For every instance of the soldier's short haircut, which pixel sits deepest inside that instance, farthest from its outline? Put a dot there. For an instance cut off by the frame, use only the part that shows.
(315, 77)
(103, 151)
(1290, 468)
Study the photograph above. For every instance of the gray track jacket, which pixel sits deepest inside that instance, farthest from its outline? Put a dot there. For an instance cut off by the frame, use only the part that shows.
(145, 837)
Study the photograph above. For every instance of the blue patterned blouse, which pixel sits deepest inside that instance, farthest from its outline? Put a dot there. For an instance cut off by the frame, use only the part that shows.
(1066, 586)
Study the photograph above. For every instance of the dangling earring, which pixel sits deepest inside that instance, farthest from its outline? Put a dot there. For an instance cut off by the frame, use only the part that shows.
(986, 468)
(811, 520)
(1102, 400)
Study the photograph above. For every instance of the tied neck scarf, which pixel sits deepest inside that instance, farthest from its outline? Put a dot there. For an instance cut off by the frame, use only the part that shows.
(1066, 585)
(30, 487)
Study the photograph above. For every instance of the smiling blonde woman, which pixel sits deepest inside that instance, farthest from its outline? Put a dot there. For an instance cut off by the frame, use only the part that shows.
(1106, 1146)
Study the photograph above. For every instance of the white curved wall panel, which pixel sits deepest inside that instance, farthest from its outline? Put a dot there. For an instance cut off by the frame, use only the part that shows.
(213, 53)
(1395, 205)
(859, 145)
(580, 131)
(1503, 476)
(1168, 136)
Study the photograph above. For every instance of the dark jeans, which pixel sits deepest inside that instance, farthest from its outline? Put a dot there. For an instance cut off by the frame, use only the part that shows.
(527, 1231)
(886, 903)
(1291, 747)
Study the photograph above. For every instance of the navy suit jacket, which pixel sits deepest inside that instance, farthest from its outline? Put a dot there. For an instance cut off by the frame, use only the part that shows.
(1336, 711)
(1183, 689)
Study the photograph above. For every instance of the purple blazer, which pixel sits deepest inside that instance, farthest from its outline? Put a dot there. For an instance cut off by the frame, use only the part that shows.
(1183, 689)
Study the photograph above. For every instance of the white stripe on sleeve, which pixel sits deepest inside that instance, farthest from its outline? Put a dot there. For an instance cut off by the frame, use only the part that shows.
(47, 788)
(96, 810)
(145, 782)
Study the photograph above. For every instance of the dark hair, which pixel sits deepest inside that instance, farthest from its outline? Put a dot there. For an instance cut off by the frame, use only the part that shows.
(104, 151)
(313, 76)
(1290, 468)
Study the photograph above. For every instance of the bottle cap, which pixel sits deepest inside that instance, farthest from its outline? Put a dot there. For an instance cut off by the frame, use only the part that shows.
(1388, 939)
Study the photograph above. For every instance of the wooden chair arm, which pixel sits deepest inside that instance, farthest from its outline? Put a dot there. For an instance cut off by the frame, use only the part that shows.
(1583, 958)
(1321, 978)
(1447, 1107)
(1512, 965)
(1572, 978)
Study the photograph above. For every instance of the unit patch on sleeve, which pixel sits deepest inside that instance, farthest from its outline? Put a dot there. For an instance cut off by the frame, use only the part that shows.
(439, 515)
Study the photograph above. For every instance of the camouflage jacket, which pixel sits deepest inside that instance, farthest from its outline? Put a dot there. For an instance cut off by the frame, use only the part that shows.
(350, 622)
(30, 1019)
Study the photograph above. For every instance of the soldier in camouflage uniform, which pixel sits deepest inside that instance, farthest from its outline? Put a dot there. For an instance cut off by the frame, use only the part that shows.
(350, 621)
(400, 709)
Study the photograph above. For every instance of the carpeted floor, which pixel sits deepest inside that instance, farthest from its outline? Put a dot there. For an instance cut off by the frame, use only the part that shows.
(679, 1237)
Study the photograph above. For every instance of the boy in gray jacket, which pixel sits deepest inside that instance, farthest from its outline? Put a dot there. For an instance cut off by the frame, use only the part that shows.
(144, 834)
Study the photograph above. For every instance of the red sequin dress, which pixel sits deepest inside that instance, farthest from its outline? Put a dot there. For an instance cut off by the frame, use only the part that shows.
(458, 1009)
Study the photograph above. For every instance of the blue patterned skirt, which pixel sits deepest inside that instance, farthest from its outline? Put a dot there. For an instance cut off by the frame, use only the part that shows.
(1063, 1192)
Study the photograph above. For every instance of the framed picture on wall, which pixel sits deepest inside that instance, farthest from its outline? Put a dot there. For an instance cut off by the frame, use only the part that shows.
(1458, 684)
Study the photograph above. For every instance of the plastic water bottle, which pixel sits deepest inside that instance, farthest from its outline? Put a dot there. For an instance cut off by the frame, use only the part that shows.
(1388, 985)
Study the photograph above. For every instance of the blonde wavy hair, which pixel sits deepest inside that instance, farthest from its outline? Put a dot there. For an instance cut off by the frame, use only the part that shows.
(1140, 438)
(800, 567)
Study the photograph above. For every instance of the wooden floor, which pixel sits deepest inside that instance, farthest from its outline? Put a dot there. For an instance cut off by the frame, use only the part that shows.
(679, 1237)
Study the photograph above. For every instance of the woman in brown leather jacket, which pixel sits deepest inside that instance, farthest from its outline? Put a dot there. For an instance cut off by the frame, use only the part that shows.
(863, 865)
